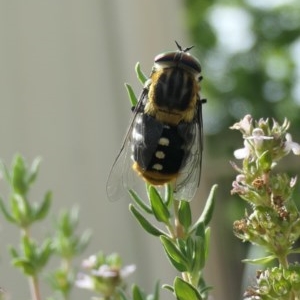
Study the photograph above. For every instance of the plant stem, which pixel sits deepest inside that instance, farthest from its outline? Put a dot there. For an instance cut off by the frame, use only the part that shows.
(34, 288)
(178, 226)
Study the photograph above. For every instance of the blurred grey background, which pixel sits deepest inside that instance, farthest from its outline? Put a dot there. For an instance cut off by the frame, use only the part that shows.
(63, 65)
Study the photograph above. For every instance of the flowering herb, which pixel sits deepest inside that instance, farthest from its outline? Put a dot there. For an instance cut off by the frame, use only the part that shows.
(274, 221)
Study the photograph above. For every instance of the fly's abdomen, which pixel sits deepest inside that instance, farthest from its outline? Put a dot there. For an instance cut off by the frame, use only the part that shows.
(159, 150)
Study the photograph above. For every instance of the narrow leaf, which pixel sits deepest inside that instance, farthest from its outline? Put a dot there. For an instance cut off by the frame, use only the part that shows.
(45, 252)
(168, 287)
(135, 197)
(84, 241)
(208, 209)
(137, 294)
(13, 252)
(18, 177)
(5, 212)
(260, 261)
(140, 75)
(185, 291)
(169, 195)
(199, 255)
(42, 210)
(160, 210)
(144, 222)
(34, 170)
(207, 242)
(184, 214)
(155, 296)
(174, 254)
(26, 266)
(132, 97)
(5, 172)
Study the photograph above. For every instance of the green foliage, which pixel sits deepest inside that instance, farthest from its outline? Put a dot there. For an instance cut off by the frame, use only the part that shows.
(185, 243)
(66, 242)
(22, 212)
(33, 256)
(250, 68)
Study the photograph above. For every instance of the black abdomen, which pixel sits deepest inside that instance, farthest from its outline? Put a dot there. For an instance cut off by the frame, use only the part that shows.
(160, 148)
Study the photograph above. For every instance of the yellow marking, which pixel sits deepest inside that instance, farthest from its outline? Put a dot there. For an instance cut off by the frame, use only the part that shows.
(172, 117)
(154, 177)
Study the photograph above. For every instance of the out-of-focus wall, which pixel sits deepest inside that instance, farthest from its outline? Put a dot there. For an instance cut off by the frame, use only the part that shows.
(62, 69)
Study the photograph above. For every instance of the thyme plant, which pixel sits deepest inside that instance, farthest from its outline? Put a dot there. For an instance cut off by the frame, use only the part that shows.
(273, 220)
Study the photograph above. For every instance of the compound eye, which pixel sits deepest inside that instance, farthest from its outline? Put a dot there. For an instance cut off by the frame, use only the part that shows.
(191, 62)
(165, 58)
(178, 58)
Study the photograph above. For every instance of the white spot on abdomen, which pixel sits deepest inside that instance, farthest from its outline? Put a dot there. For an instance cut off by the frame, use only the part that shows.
(160, 155)
(164, 141)
(157, 167)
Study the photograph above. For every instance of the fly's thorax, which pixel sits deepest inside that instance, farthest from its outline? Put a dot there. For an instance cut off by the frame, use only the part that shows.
(173, 95)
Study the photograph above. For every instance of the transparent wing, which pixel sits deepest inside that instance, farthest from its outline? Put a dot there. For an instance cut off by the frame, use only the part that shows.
(122, 177)
(188, 181)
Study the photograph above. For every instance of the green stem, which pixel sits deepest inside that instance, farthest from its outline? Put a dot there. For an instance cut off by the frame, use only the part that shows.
(283, 262)
(179, 231)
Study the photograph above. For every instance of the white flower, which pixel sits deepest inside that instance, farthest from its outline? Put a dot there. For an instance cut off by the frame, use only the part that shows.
(107, 271)
(243, 152)
(289, 145)
(90, 262)
(244, 125)
(258, 137)
(84, 281)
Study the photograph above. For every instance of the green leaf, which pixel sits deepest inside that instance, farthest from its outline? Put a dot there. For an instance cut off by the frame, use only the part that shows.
(200, 230)
(83, 241)
(265, 161)
(185, 291)
(168, 194)
(155, 296)
(199, 255)
(29, 248)
(174, 254)
(208, 209)
(260, 261)
(18, 177)
(207, 242)
(160, 210)
(184, 214)
(168, 287)
(25, 265)
(13, 252)
(144, 222)
(45, 252)
(132, 97)
(137, 294)
(34, 170)
(42, 210)
(5, 172)
(5, 212)
(135, 197)
(20, 210)
(122, 294)
(140, 75)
